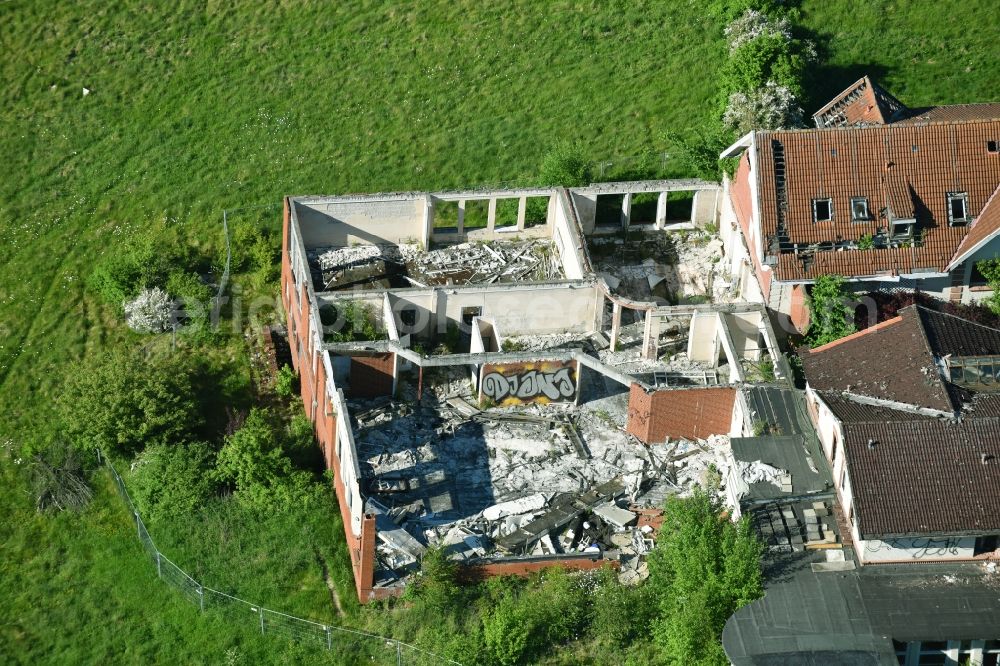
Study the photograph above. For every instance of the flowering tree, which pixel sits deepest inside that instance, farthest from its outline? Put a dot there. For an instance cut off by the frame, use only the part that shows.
(150, 312)
(753, 24)
(771, 107)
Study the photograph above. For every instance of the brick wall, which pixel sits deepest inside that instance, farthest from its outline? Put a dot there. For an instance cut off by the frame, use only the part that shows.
(739, 192)
(693, 413)
(799, 314)
(477, 572)
(372, 376)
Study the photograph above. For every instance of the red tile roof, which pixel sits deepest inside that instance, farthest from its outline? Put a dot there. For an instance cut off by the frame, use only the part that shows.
(950, 113)
(984, 228)
(864, 102)
(909, 167)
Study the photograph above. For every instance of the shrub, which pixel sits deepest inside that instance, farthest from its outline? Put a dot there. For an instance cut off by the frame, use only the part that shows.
(564, 166)
(830, 316)
(254, 251)
(146, 262)
(152, 311)
(621, 614)
(507, 630)
(990, 269)
(173, 480)
(123, 402)
(437, 587)
(356, 323)
(754, 24)
(254, 463)
(285, 382)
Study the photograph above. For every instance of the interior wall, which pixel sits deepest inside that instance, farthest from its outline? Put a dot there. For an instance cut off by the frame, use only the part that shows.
(363, 222)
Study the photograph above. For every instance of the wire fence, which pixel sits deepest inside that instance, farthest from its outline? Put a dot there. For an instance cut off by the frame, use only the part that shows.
(349, 645)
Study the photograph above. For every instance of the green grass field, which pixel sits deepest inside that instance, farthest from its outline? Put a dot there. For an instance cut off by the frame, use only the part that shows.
(199, 106)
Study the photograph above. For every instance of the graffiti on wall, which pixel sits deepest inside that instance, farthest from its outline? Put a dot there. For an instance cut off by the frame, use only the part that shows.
(521, 383)
(918, 548)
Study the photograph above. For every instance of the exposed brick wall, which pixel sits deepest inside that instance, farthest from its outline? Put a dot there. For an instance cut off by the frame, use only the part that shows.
(476, 572)
(372, 376)
(693, 413)
(799, 314)
(739, 193)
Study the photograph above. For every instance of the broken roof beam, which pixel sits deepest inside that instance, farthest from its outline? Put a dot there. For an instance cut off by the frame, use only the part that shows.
(559, 515)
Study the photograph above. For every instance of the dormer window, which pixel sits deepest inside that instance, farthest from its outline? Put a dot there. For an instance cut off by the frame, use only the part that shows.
(822, 210)
(859, 209)
(958, 208)
(902, 229)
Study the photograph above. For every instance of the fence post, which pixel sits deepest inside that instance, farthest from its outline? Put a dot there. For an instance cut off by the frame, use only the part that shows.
(159, 568)
(329, 639)
(262, 620)
(399, 654)
(201, 598)
(138, 525)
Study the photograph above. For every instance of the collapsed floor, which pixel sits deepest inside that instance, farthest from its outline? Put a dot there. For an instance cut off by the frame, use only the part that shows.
(514, 482)
(668, 268)
(382, 267)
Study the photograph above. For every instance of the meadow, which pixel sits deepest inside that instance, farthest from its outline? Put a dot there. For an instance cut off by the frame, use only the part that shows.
(193, 107)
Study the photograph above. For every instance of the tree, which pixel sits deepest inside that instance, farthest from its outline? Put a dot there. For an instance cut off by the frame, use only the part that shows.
(123, 402)
(830, 317)
(702, 569)
(150, 312)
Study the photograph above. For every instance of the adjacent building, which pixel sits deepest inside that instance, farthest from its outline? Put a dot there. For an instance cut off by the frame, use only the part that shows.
(885, 195)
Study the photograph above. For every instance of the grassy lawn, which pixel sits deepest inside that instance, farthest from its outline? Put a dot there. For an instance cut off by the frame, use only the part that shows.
(195, 107)
(925, 53)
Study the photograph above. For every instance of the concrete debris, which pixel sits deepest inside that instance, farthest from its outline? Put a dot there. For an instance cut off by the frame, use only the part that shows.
(527, 504)
(496, 261)
(615, 515)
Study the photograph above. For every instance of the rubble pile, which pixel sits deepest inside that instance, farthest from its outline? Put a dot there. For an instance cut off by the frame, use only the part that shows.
(503, 483)
(485, 263)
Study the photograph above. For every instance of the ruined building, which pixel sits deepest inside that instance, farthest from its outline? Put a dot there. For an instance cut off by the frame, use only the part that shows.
(495, 372)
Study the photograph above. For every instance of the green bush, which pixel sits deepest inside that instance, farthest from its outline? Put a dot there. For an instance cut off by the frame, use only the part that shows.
(357, 322)
(702, 569)
(621, 614)
(507, 630)
(767, 58)
(148, 261)
(123, 402)
(437, 587)
(255, 252)
(830, 317)
(285, 382)
(173, 480)
(253, 461)
(564, 166)
(990, 269)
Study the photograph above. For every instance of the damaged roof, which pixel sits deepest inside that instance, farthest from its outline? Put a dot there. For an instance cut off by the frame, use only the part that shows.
(902, 171)
(913, 473)
(891, 361)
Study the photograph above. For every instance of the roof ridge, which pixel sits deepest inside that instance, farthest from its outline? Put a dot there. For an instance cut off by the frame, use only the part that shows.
(858, 334)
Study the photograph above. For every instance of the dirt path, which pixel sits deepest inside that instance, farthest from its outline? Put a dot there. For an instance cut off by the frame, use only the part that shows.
(334, 597)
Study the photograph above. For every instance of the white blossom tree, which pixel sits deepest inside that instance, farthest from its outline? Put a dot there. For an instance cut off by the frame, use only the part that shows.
(151, 311)
(768, 108)
(754, 24)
